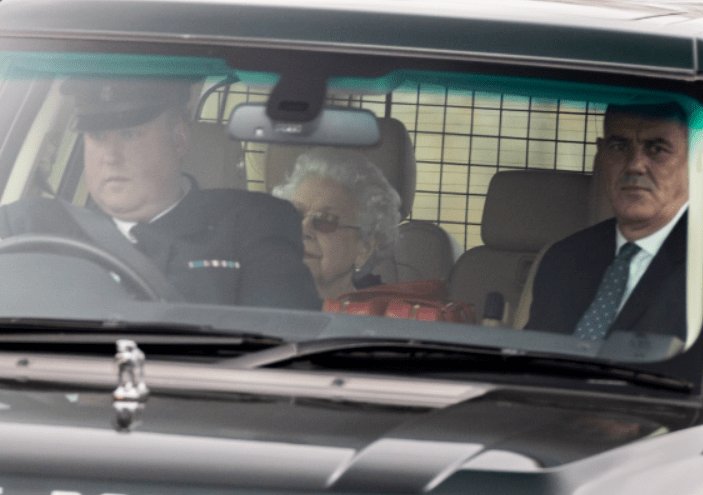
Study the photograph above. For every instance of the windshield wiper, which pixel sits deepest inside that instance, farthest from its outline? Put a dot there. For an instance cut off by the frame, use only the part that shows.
(463, 358)
(17, 332)
(10, 325)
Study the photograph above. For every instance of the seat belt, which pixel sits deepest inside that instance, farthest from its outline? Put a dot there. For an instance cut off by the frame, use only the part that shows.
(106, 236)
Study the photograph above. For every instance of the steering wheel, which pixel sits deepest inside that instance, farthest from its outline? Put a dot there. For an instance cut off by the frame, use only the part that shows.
(151, 287)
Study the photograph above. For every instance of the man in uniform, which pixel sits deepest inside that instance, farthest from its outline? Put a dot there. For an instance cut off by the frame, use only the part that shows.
(214, 246)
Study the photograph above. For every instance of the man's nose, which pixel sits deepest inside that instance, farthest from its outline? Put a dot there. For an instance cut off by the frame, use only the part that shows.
(113, 148)
(636, 162)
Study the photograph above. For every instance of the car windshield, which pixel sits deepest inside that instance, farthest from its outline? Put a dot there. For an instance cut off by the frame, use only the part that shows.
(261, 193)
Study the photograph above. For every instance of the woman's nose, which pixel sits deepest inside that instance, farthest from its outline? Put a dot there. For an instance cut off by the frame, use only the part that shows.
(306, 225)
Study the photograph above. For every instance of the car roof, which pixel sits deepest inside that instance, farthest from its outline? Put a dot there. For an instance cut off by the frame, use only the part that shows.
(664, 37)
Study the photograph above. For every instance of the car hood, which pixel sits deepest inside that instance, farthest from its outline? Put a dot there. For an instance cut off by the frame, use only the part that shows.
(274, 442)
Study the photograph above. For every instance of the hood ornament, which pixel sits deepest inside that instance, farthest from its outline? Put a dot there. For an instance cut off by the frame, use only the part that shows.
(131, 391)
(130, 378)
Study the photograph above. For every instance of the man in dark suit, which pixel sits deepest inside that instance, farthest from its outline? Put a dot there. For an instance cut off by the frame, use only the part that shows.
(215, 246)
(627, 273)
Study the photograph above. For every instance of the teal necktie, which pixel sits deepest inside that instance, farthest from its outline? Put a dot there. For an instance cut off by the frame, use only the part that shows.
(600, 315)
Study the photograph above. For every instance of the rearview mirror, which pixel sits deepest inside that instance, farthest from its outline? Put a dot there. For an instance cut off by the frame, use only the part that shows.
(335, 126)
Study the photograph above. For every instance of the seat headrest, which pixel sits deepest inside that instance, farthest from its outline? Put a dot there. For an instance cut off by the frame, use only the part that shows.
(425, 251)
(393, 155)
(215, 160)
(524, 210)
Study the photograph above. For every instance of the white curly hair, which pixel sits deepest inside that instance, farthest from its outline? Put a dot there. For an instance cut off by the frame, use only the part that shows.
(377, 203)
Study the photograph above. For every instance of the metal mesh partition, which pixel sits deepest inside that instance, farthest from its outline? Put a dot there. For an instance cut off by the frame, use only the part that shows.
(461, 138)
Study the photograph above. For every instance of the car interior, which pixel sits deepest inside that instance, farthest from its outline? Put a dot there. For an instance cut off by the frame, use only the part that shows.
(511, 212)
(488, 180)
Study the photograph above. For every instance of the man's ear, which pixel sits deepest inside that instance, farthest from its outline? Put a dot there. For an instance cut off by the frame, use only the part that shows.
(365, 249)
(181, 138)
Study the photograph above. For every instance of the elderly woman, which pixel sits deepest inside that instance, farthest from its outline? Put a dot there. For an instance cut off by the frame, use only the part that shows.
(350, 217)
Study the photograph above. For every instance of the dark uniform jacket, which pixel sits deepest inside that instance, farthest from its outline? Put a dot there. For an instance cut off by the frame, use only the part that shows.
(571, 271)
(215, 246)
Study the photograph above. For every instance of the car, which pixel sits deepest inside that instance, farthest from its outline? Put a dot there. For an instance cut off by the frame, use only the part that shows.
(485, 117)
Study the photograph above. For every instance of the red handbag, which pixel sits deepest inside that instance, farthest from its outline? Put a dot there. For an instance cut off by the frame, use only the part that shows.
(418, 300)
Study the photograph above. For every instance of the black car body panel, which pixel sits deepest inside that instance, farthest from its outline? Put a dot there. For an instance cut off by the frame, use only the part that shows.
(271, 442)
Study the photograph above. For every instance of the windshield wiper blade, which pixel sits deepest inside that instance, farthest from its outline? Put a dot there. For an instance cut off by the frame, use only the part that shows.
(511, 360)
(100, 331)
(309, 348)
(595, 370)
(10, 325)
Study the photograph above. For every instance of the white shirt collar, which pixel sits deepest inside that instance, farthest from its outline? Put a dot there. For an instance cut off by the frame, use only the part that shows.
(653, 242)
(124, 226)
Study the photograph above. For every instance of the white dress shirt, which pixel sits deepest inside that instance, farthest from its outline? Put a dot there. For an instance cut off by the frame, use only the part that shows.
(649, 247)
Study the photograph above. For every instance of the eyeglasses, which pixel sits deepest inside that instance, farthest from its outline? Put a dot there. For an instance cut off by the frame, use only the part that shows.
(326, 222)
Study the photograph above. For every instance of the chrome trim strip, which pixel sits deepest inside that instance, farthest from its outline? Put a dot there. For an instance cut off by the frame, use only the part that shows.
(167, 377)
(74, 371)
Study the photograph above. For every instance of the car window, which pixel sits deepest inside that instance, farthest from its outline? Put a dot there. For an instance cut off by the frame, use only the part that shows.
(490, 171)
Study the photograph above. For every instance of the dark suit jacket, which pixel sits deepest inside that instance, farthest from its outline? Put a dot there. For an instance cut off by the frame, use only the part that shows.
(571, 271)
(256, 234)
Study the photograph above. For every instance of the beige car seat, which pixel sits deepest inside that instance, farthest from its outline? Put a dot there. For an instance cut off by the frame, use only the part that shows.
(524, 211)
(393, 154)
(599, 209)
(214, 159)
(425, 251)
